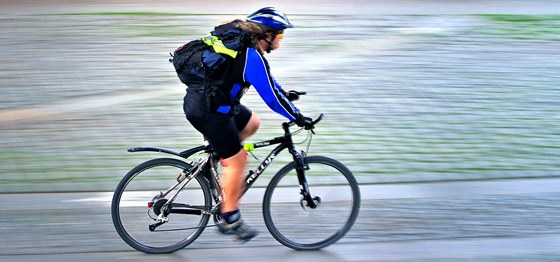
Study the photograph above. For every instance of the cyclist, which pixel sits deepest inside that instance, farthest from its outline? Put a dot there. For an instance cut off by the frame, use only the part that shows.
(218, 114)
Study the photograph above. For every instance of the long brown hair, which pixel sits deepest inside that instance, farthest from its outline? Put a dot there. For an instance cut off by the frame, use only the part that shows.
(256, 31)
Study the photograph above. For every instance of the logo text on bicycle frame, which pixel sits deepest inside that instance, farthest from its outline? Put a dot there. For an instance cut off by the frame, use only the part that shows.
(259, 144)
(261, 168)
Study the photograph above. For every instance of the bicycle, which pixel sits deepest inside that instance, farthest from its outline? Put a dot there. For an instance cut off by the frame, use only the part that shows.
(309, 204)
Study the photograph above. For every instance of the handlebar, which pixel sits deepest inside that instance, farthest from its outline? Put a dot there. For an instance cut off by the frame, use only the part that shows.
(318, 119)
(292, 123)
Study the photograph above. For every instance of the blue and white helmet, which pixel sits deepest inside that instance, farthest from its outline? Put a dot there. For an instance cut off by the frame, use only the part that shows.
(271, 17)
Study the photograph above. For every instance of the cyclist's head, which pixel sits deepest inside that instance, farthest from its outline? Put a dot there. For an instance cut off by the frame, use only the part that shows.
(272, 23)
(270, 19)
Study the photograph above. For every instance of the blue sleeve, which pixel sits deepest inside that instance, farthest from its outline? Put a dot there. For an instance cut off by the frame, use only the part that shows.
(257, 74)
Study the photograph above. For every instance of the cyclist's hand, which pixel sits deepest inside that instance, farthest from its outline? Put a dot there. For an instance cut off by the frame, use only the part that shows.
(293, 95)
(305, 122)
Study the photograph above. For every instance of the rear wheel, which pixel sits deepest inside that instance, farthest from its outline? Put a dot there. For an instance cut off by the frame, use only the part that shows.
(292, 221)
(137, 203)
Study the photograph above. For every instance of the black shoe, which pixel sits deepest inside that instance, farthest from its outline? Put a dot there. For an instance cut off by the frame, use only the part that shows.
(241, 230)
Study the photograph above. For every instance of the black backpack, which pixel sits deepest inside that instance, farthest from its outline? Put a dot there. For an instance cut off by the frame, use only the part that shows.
(194, 62)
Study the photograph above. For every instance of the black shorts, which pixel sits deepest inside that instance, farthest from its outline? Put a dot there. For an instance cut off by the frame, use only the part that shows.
(222, 131)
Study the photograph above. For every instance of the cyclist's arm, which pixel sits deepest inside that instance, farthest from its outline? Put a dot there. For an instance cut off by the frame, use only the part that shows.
(256, 73)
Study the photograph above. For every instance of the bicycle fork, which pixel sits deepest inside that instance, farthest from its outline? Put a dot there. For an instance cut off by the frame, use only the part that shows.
(301, 166)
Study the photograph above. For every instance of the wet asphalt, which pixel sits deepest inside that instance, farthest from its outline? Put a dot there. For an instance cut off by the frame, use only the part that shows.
(505, 220)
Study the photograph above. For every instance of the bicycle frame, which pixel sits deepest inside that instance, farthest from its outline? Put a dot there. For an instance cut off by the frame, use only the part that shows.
(284, 142)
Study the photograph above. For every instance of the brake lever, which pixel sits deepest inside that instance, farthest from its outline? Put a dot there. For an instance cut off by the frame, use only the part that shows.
(317, 120)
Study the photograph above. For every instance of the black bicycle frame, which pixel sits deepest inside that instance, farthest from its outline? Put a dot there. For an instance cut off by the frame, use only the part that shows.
(284, 141)
(254, 174)
(300, 160)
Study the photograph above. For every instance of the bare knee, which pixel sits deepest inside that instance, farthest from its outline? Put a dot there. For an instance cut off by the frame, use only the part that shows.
(251, 127)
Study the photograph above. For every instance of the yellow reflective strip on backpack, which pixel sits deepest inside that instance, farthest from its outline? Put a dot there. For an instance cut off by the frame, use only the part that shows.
(209, 39)
(218, 46)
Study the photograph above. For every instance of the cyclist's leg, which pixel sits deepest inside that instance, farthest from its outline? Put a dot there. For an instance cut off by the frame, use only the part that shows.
(247, 122)
(232, 175)
(232, 183)
(232, 178)
(224, 135)
(251, 127)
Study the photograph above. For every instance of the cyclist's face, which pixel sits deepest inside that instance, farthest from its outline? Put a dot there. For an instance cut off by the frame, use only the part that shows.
(275, 40)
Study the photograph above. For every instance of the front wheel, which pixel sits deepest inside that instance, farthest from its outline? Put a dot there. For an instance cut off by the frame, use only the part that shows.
(295, 224)
(138, 201)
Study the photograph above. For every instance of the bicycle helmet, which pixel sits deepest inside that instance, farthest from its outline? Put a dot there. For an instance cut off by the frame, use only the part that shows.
(271, 18)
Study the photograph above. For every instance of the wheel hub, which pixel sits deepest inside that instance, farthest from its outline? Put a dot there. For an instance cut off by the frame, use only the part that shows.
(305, 205)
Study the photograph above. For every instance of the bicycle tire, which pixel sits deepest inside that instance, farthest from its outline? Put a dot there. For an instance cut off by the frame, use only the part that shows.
(282, 210)
(136, 189)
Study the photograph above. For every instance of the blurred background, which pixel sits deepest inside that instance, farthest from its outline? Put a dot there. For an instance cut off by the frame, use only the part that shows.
(411, 91)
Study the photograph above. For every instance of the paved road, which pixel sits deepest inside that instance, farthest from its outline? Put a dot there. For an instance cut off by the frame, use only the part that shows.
(505, 220)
